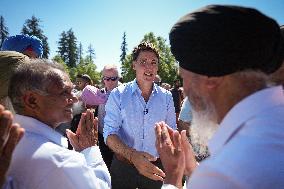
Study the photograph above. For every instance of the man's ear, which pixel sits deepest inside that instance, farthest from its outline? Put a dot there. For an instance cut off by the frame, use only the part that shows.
(31, 100)
(134, 65)
(214, 82)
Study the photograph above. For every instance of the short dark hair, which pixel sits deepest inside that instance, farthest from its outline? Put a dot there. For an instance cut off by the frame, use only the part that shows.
(144, 46)
(85, 77)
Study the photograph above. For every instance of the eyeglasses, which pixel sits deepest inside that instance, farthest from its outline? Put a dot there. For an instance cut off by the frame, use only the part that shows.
(110, 78)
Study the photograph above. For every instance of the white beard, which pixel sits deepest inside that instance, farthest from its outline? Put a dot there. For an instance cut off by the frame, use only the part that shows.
(203, 126)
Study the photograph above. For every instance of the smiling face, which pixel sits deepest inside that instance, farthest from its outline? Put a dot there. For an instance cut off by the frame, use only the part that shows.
(110, 78)
(55, 106)
(146, 66)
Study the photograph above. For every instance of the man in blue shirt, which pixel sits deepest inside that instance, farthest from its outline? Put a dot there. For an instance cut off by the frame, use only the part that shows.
(131, 113)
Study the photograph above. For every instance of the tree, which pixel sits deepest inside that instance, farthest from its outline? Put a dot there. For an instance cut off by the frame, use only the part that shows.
(80, 53)
(91, 53)
(67, 48)
(167, 66)
(59, 60)
(32, 27)
(3, 30)
(63, 46)
(123, 48)
(86, 67)
(72, 48)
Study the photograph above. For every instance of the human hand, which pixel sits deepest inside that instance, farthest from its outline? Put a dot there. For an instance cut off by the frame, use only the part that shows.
(86, 134)
(10, 135)
(169, 146)
(142, 162)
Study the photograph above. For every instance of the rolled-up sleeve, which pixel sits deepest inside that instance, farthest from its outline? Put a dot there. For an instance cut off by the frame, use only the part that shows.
(113, 118)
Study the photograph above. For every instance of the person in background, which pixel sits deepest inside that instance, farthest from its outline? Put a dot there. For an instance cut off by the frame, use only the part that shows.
(41, 94)
(81, 82)
(110, 79)
(78, 107)
(28, 45)
(177, 97)
(226, 55)
(166, 86)
(132, 110)
(158, 80)
(9, 61)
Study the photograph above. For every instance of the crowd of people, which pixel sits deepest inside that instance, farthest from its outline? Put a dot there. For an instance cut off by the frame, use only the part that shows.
(223, 128)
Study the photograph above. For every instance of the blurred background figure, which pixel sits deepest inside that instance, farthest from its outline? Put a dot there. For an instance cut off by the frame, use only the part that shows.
(28, 45)
(166, 86)
(82, 80)
(9, 61)
(158, 80)
(177, 97)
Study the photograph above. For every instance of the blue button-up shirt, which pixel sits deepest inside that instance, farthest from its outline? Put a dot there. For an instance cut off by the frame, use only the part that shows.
(133, 120)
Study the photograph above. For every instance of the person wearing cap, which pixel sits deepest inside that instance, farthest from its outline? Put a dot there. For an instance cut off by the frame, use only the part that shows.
(28, 45)
(225, 55)
(110, 79)
(132, 110)
(82, 80)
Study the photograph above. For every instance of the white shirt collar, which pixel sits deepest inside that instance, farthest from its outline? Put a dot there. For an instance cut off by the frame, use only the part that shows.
(241, 112)
(35, 126)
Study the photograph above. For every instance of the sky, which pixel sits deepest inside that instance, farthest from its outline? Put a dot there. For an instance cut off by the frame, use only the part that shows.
(102, 22)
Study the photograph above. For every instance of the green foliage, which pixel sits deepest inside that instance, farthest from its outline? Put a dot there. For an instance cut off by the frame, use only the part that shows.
(88, 67)
(127, 72)
(167, 67)
(123, 48)
(3, 30)
(91, 53)
(67, 48)
(80, 53)
(32, 27)
(59, 60)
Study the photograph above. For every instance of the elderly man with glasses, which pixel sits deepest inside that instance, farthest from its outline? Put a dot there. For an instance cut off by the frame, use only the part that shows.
(110, 80)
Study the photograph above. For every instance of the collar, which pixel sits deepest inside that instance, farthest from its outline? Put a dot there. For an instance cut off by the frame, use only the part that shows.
(35, 126)
(242, 111)
(135, 87)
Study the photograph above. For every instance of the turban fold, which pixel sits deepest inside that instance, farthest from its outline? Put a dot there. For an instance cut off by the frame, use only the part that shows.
(218, 40)
(20, 43)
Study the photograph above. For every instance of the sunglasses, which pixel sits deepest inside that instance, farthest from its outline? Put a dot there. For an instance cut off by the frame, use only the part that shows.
(110, 78)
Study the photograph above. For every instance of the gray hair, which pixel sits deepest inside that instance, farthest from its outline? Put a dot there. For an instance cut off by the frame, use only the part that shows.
(252, 78)
(35, 76)
(112, 67)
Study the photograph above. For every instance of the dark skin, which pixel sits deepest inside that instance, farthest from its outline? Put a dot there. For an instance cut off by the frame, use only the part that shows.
(175, 152)
(86, 134)
(10, 136)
